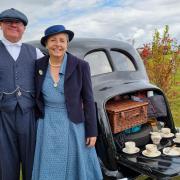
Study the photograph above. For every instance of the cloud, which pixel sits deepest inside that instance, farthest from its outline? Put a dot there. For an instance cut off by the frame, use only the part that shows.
(139, 33)
(116, 19)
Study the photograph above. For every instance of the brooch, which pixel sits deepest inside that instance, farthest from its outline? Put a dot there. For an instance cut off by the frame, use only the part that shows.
(40, 72)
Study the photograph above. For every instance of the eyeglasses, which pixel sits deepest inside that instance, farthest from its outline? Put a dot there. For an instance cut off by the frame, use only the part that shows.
(10, 22)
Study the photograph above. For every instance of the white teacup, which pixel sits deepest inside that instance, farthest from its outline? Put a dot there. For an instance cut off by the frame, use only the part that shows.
(166, 130)
(156, 138)
(151, 148)
(130, 146)
(155, 133)
(178, 136)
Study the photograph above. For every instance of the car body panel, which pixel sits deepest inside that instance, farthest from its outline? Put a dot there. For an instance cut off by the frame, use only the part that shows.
(111, 84)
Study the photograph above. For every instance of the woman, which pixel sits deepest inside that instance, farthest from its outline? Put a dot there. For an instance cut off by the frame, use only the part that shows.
(67, 126)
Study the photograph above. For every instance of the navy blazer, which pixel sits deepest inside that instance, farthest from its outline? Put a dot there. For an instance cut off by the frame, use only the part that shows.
(77, 91)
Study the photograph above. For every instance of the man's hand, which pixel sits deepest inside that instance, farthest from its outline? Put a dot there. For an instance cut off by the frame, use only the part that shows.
(91, 141)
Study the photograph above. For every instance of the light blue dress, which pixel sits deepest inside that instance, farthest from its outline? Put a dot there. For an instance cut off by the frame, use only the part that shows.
(61, 153)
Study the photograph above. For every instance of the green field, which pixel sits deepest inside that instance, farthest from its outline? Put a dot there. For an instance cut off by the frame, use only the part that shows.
(175, 101)
(175, 105)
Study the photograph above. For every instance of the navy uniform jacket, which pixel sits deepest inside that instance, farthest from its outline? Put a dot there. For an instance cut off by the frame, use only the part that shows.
(77, 91)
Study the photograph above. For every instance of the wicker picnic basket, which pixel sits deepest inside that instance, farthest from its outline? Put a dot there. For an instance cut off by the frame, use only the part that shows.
(126, 114)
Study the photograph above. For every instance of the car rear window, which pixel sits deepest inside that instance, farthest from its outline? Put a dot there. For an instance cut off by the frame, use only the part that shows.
(121, 61)
(98, 62)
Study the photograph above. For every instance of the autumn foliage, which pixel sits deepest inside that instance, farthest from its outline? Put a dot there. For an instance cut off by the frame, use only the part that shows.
(162, 59)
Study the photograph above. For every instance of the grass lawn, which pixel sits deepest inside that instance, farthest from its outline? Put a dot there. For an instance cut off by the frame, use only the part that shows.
(174, 102)
(175, 105)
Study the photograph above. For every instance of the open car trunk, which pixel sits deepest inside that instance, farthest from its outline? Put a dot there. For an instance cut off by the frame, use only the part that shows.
(110, 143)
(132, 117)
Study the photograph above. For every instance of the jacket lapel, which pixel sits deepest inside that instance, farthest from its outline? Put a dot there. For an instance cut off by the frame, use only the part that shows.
(41, 66)
(71, 65)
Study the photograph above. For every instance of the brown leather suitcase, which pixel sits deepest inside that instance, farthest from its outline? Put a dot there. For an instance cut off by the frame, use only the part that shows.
(126, 114)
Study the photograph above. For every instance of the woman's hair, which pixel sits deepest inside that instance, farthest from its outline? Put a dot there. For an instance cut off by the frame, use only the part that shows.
(67, 37)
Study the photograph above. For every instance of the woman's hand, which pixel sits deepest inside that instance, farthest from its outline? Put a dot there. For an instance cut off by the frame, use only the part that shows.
(91, 141)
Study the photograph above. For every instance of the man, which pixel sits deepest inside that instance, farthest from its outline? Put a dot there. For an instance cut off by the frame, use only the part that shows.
(17, 121)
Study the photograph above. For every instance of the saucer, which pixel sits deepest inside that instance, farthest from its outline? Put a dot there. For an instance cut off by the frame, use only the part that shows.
(156, 154)
(136, 150)
(176, 140)
(171, 151)
(170, 135)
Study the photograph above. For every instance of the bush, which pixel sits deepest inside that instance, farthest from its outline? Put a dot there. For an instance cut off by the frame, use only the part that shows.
(162, 60)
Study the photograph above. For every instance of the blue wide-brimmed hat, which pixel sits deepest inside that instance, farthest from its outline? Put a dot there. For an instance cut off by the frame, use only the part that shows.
(13, 14)
(56, 29)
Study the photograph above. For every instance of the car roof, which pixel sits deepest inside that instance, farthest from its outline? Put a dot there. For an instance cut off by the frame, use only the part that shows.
(80, 47)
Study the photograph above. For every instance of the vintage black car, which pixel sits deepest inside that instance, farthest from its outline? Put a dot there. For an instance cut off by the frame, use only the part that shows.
(118, 73)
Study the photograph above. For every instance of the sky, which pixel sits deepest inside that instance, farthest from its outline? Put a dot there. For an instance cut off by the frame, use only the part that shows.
(129, 20)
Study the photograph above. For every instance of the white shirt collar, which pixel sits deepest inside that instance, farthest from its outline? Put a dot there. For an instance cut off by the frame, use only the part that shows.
(8, 43)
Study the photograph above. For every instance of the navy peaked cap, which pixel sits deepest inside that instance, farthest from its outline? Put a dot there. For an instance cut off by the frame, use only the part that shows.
(13, 14)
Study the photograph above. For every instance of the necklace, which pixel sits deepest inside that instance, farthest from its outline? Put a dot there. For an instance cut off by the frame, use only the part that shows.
(53, 65)
(55, 84)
